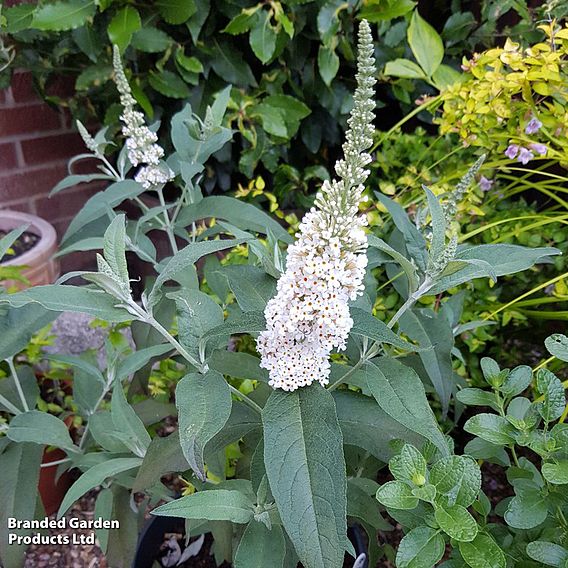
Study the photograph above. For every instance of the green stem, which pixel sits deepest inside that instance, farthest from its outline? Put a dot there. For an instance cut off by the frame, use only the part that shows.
(246, 399)
(9, 406)
(168, 223)
(412, 299)
(10, 361)
(341, 379)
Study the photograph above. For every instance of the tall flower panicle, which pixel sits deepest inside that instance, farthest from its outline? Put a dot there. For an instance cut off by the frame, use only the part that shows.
(309, 316)
(141, 142)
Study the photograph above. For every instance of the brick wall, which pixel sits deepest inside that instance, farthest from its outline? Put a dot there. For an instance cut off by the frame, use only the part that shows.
(36, 142)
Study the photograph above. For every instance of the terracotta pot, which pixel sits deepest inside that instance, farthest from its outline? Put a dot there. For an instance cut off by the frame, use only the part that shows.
(42, 268)
(51, 489)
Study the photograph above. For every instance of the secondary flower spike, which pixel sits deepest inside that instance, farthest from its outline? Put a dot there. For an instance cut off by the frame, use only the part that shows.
(141, 142)
(309, 316)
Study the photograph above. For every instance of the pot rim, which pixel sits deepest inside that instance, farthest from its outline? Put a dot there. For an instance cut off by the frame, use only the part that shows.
(48, 237)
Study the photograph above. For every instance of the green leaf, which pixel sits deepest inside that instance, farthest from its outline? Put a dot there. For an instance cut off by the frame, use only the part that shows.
(262, 37)
(103, 510)
(163, 456)
(95, 476)
(505, 259)
(482, 552)
(293, 110)
(273, 120)
(70, 298)
(551, 388)
(124, 23)
(65, 15)
(445, 76)
(243, 215)
(303, 454)
(204, 406)
(9, 239)
(517, 381)
(185, 258)
(151, 40)
(362, 505)
(169, 84)
(409, 465)
(40, 428)
(241, 23)
(17, 325)
(547, 553)
(260, 547)
(176, 11)
(557, 345)
(20, 467)
(438, 241)
(239, 365)
(135, 361)
(397, 495)
(457, 478)
(556, 473)
(527, 509)
(477, 397)
(253, 288)
(434, 333)
(133, 432)
(328, 64)
(89, 41)
(490, 427)
(457, 522)
(383, 11)
(367, 325)
(404, 68)
(213, 505)
(360, 417)
(114, 249)
(400, 394)
(230, 65)
(422, 547)
(92, 76)
(18, 17)
(425, 43)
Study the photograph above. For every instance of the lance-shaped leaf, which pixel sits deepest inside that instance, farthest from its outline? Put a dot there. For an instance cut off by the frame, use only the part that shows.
(303, 454)
(260, 547)
(183, 259)
(204, 406)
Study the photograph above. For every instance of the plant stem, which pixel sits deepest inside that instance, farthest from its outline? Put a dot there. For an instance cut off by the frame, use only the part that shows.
(412, 299)
(54, 463)
(246, 399)
(11, 408)
(167, 220)
(341, 379)
(10, 361)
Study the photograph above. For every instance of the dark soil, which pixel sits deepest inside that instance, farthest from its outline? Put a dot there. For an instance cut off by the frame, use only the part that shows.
(25, 242)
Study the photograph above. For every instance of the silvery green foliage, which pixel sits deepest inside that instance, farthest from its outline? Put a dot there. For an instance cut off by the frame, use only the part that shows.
(309, 457)
(309, 317)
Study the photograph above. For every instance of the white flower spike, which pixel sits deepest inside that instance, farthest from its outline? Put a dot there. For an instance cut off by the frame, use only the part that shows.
(309, 316)
(140, 140)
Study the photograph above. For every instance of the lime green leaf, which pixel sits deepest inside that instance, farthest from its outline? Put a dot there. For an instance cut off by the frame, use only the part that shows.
(123, 25)
(457, 478)
(409, 465)
(425, 43)
(445, 76)
(457, 522)
(379, 10)
(61, 16)
(422, 547)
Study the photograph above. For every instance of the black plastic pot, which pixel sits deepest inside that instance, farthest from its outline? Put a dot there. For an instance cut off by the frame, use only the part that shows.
(152, 538)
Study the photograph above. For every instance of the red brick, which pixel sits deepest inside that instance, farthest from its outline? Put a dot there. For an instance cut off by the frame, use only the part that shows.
(23, 120)
(22, 88)
(64, 205)
(23, 206)
(8, 158)
(52, 148)
(25, 184)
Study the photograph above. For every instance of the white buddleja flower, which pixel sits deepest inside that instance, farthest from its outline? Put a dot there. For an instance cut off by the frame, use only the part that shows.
(309, 316)
(141, 142)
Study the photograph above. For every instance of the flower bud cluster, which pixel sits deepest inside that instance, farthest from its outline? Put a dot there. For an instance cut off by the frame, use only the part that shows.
(141, 142)
(309, 316)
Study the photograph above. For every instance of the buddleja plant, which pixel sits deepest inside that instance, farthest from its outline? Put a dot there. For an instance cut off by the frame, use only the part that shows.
(332, 387)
